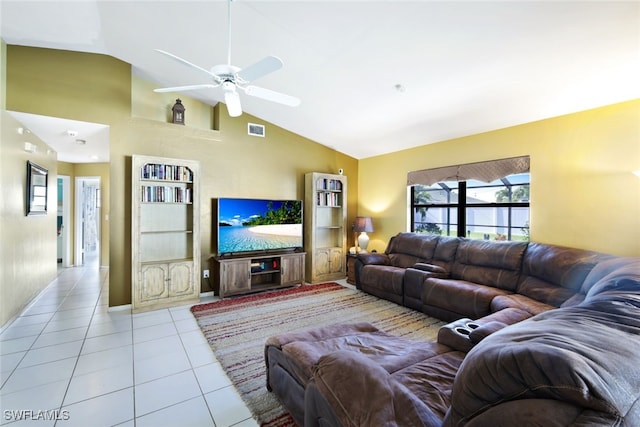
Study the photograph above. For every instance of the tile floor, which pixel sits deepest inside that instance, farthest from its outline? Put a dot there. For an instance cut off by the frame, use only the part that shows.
(69, 361)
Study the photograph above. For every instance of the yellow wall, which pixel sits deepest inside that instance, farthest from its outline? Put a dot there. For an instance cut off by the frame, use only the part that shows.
(157, 106)
(27, 243)
(583, 192)
(67, 84)
(3, 74)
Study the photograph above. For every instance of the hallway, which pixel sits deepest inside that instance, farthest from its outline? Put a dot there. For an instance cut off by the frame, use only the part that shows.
(69, 361)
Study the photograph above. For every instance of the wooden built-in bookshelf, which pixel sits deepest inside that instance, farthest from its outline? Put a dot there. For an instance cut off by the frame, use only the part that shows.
(325, 214)
(165, 230)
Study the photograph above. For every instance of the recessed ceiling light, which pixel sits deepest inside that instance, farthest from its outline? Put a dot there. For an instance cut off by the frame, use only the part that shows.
(81, 141)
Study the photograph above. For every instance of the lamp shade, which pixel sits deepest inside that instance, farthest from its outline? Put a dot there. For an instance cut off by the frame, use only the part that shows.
(363, 223)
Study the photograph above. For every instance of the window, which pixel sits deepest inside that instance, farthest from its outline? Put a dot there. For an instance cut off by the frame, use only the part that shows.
(498, 210)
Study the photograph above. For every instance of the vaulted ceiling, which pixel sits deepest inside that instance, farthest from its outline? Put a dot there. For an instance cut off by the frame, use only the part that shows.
(373, 76)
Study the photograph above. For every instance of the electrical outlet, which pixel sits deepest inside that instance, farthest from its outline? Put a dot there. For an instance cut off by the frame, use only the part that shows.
(205, 274)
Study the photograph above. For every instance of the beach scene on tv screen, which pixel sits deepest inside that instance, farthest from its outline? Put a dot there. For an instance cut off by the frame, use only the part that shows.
(255, 225)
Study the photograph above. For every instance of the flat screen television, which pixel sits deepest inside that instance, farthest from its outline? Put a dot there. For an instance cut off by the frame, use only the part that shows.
(258, 225)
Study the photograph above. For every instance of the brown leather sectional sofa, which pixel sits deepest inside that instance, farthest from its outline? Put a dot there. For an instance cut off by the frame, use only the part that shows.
(451, 278)
(539, 335)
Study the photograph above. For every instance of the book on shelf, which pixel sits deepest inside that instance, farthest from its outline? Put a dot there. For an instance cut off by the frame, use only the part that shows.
(166, 194)
(328, 184)
(166, 172)
(328, 199)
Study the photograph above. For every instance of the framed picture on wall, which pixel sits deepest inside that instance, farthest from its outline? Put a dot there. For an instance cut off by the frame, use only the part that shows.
(37, 182)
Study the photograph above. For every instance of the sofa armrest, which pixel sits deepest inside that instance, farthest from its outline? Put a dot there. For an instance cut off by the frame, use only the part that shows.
(373, 258)
(429, 270)
(457, 334)
(423, 266)
(360, 392)
(369, 258)
(485, 330)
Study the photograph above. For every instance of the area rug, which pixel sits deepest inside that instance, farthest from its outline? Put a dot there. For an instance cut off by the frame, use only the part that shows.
(237, 328)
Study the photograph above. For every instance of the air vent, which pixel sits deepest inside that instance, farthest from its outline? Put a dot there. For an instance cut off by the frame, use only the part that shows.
(255, 130)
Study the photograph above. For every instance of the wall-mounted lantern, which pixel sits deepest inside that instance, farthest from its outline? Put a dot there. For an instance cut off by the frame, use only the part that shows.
(178, 112)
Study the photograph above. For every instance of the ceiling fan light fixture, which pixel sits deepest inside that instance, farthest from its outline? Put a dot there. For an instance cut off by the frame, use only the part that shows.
(231, 78)
(232, 99)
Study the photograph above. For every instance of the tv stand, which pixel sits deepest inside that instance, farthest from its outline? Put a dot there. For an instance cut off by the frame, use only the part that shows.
(246, 274)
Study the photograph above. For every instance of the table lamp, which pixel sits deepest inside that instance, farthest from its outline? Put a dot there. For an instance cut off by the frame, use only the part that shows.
(364, 225)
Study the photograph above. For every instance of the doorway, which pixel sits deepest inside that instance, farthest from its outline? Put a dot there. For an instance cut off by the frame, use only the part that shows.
(64, 219)
(87, 220)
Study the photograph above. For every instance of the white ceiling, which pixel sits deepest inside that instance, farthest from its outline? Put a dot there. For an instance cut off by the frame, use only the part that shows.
(73, 140)
(466, 67)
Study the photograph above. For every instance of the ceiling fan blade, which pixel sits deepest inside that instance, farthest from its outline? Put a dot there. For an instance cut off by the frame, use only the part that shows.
(270, 95)
(189, 64)
(183, 88)
(260, 69)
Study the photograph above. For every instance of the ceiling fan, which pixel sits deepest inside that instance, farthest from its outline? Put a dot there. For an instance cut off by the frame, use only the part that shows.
(232, 78)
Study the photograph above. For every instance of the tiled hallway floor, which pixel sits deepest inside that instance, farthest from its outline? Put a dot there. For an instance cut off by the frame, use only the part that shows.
(68, 357)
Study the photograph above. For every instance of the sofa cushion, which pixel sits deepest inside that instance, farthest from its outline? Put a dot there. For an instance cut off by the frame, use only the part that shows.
(431, 380)
(406, 249)
(552, 274)
(489, 263)
(390, 352)
(446, 251)
(363, 393)
(319, 334)
(580, 355)
(414, 279)
(467, 299)
(300, 369)
(520, 302)
(382, 278)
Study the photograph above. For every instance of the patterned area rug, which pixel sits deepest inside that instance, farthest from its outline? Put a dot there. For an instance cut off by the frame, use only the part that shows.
(237, 328)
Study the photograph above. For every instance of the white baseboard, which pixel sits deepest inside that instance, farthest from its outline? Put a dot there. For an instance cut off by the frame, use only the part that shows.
(123, 307)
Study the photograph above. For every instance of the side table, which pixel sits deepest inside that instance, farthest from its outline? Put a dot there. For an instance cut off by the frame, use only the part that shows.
(351, 268)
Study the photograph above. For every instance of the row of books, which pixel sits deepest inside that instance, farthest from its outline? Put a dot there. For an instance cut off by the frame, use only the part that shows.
(328, 199)
(330, 184)
(157, 194)
(166, 172)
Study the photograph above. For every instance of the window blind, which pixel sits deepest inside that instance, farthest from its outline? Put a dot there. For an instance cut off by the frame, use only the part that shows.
(482, 171)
